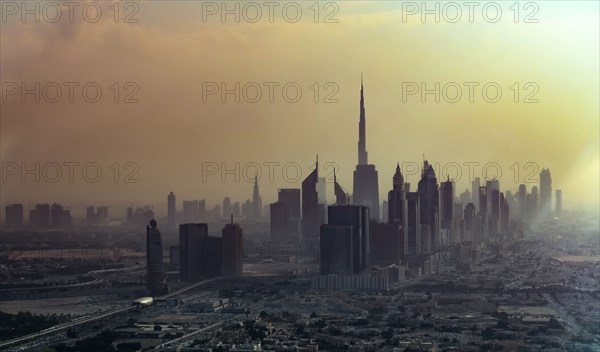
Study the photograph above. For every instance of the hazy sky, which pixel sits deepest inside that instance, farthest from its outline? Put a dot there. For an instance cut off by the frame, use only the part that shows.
(177, 48)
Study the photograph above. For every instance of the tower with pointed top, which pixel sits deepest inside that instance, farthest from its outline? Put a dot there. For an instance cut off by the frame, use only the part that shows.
(256, 200)
(363, 158)
(397, 199)
(366, 182)
(341, 197)
(310, 209)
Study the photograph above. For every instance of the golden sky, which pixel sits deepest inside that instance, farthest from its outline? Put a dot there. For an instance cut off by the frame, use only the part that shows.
(176, 48)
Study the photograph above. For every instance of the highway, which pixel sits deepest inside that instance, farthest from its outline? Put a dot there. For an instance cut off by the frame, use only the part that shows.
(79, 321)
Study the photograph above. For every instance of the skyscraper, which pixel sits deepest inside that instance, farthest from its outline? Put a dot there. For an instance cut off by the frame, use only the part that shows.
(341, 197)
(336, 254)
(545, 194)
(190, 242)
(397, 199)
(366, 179)
(227, 210)
(412, 242)
(282, 226)
(522, 199)
(233, 247)
(171, 208)
(429, 199)
(256, 200)
(291, 198)
(156, 279)
(447, 212)
(475, 192)
(357, 217)
(310, 209)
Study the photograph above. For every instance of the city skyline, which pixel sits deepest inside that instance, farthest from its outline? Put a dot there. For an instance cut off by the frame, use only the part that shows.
(443, 132)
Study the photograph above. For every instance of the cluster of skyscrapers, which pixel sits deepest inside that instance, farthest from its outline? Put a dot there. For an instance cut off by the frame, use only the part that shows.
(43, 215)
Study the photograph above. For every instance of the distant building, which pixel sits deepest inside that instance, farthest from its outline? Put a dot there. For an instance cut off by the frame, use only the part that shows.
(171, 209)
(310, 210)
(156, 278)
(357, 217)
(227, 209)
(558, 203)
(397, 199)
(14, 214)
(233, 247)
(545, 194)
(256, 201)
(336, 250)
(190, 242)
(40, 217)
(386, 244)
(291, 198)
(366, 178)
(174, 257)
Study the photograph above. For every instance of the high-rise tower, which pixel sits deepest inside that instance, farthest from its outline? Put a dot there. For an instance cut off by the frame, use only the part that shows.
(256, 200)
(366, 182)
(362, 129)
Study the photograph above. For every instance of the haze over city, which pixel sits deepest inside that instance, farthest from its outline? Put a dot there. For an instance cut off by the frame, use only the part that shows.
(295, 176)
(170, 131)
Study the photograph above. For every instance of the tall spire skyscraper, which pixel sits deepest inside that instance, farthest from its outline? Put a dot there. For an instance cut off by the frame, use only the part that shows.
(363, 158)
(366, 182)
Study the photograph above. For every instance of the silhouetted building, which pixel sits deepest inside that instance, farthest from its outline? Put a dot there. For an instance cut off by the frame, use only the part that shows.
(358, 217)
(366, 179)
(504, 215)
(470, 228)
(336, 254)
(533, 205)
(446, 204)
(40, 216)
(412, 233)
(256, 200)
(233, 246)
(56, 215)
(522, 200)
(386, 244)
(236, 210)
(558, 203)
(283, 228)
(171, 209)
(190, 242)
(211, 257)
(247, 209)
(174, 257)
(475, 192)
(156, 279)
(310, 209)
(397, 199)
(341, 196)
(429, 201)
(227, 210)
(545, 194)
(14, 214)
(291, 198)
(191, 211)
